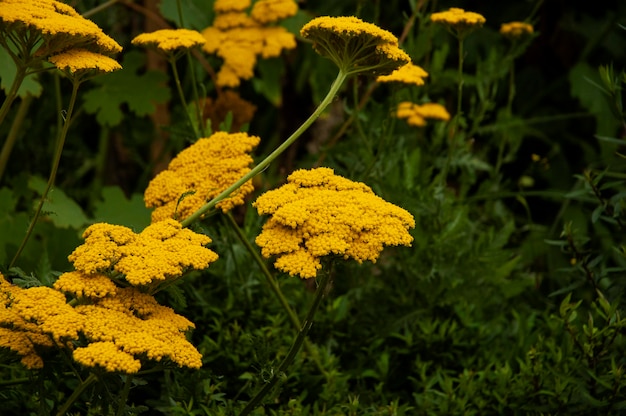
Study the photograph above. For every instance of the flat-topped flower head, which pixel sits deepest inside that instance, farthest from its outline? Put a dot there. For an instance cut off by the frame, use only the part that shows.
(458, 20)
(355, 46)
(56, 24)
(407, 74)
(416, 114)
(200, 173)
(317, 214)
(169, 41)
(81, 62)
(269, 11)
(515, 30)
(162, 251)
(224, 6)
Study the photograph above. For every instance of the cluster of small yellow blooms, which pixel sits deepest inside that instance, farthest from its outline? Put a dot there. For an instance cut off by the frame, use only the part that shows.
(406, 74)
(201, 172)
(239, 37)
(170, 40)
(163, 250)
(58, 26)
(82, 285)
(317, 213)
(74, 60)
(459, 19)
(516, 29)
(416, 114)
(354, 45)
(228, 101)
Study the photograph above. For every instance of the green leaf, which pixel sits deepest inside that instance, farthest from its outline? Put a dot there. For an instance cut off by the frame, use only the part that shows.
(128, 86)
(115, 208)
(197, 14)
(30, 85)
(63, 211)
(269, 81)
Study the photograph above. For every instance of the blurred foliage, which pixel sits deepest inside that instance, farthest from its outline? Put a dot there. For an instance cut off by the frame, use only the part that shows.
(511, 299)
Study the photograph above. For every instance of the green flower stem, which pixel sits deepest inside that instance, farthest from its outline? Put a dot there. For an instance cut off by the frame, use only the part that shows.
(295, 347)
(334, 88)
(179, 88)
(55, 166)
(275, 287)
(12, 94)
(460, 75)
(196, 96)
(124, 395)
(81, 388)
(14, 133)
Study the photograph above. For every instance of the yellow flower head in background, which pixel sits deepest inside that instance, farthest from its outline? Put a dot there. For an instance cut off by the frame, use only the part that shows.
(58, 25)
(459, 20)
(201, 172)
(516, 29)
(317, 213)
(416, 114)
(407, 74)
(77, 62)
(355, 46)
(162, 251)
(239, 38)
(169, 41)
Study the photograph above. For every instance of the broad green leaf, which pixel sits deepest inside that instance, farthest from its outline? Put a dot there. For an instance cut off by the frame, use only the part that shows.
(63, 211)
(269, 81)
(30, 85)
(197, 14)
(115, 208)
(128, 86)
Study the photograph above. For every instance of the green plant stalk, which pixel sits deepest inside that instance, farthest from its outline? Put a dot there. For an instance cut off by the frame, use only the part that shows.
(275, 287)
(179, 88)
(55, 167)
(12, 94)
(295, 347)
(81, 388)
(334, 88)
(7, 147)
(460, 75)
(124, 395)
(196, 96)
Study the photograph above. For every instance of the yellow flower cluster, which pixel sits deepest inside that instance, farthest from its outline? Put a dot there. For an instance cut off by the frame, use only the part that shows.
(516, 29)
(416, 114)
(240, 38)
(56, 24)
(317, 213)
(354, 45)
(406, 74)
(163, 250)
(201, 172)
(170, 40)
(75, 60)
(459, 19)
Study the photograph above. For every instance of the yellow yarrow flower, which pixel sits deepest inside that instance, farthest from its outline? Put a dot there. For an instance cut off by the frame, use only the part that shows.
(516, 29)
(416, 114)
(58, 26)
(201, 172)
(406, 74)
(317, 213)
(459, 20)
(80, 61)
(355, 46)
(82, 285)
(162, 251)
(170, 42)
(108, 356)
(239, 38)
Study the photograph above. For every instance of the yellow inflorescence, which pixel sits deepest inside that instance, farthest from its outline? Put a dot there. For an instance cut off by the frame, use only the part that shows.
(240, 38)
(164, 250)
(201, 172)
(59, 26)
(83, 285)
(317, 213)
(354, 45)
(416, 114)
(75, 60)
(516, 29)
(170, 40)
(458, 19)
(406, 74)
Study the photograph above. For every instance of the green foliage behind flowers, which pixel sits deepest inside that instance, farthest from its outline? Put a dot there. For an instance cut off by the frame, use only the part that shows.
(509, 300)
